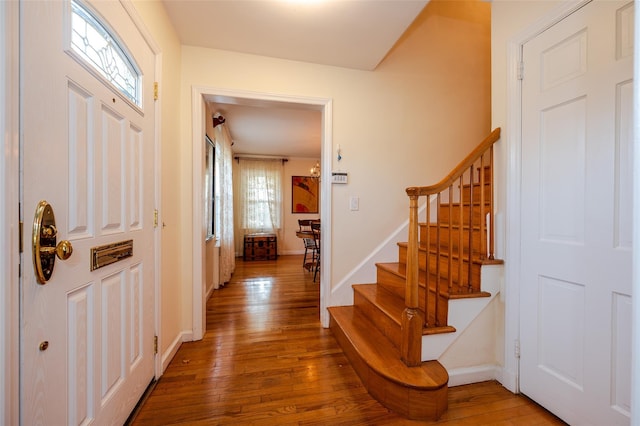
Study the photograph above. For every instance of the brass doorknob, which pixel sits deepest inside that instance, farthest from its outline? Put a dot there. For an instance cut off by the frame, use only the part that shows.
(63, 250)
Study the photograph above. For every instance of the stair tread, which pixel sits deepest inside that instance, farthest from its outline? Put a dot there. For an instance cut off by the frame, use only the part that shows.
(380, 354)
(393, 306)
(446, 225)
(433, 248)
(393, 267)
(399, 269)
(385, 300)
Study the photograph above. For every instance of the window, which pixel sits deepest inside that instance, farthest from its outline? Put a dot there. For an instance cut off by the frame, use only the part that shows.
(260, 195)
(95, 45)
(210, 188)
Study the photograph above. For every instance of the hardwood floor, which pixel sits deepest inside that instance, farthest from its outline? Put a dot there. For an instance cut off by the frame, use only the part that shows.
(266, 360)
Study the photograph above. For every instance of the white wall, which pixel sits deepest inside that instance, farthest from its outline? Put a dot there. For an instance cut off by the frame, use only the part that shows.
(289, 243)
(398, 126)
(508, 19)
(479, 339)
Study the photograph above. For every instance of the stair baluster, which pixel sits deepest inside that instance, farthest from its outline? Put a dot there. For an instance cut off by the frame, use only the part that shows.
(483, 218)
(427, 322)
(450, 244)
(470, 273)
(461, 234)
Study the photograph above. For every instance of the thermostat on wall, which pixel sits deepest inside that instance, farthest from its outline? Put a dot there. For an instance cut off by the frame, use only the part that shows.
(338, 177)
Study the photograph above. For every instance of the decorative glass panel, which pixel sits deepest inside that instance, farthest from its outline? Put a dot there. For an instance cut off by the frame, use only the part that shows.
(91, 40)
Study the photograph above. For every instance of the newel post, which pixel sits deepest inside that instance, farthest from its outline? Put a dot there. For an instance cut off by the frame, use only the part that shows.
(411, 334)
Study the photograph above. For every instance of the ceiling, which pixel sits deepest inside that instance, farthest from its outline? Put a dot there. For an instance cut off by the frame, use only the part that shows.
(346, 33)
(268, 128)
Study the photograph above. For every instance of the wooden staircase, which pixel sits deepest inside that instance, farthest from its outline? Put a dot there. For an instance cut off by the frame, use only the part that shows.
(382, 333)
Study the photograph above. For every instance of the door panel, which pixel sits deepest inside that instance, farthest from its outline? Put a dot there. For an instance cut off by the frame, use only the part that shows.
(562, 168)
(89, 152)
(576, 221)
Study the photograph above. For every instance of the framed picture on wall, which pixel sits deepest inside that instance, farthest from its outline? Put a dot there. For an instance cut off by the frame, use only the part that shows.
(304, 194)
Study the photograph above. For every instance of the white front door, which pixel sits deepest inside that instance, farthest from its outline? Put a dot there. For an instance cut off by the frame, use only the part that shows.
(576, 215)
(87, 336)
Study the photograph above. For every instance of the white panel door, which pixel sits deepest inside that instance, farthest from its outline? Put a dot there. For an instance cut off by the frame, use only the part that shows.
(576, 215)
(87, 351)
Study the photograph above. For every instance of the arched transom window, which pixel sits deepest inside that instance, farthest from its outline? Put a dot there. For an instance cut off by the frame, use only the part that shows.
(98, 48)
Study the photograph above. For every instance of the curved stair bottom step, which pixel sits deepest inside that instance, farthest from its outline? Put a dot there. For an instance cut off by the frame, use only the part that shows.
(418, 393)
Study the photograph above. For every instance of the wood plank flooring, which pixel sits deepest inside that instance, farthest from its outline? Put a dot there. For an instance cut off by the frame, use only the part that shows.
(266, 360)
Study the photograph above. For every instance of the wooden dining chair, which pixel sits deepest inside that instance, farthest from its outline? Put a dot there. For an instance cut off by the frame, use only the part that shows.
(309, 244)
(315, 229)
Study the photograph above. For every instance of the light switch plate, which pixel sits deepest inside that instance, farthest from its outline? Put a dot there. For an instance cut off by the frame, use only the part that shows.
(354, 203)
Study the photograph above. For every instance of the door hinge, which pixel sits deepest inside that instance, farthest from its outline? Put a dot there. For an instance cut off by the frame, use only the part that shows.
(20, 237)
(155, 90)
(155, 218)
(155, 345)
(516, 348)
(521, 70)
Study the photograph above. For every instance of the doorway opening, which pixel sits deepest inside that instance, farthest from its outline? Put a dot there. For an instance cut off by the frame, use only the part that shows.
(202, 95)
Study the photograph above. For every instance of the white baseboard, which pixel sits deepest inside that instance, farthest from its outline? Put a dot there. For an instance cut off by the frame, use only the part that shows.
(209, 292)
(509, 380)
(476, 374)
(187, 336)
(171, 351)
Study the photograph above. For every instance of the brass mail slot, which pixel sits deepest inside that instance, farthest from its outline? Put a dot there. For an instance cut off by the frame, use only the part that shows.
(110, 253)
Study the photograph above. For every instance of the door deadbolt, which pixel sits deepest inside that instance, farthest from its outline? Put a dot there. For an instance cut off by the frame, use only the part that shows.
(45, 249)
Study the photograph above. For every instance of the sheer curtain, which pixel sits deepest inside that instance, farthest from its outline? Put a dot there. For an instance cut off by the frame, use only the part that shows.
(225, 178)
(258, 196)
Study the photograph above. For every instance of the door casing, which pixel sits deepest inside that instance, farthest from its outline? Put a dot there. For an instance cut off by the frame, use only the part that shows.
(513, 141)
(155, 49)
(9, 212)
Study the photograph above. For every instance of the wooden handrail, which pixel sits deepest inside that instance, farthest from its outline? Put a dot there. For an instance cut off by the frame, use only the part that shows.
(412, 323)
(458, 170)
